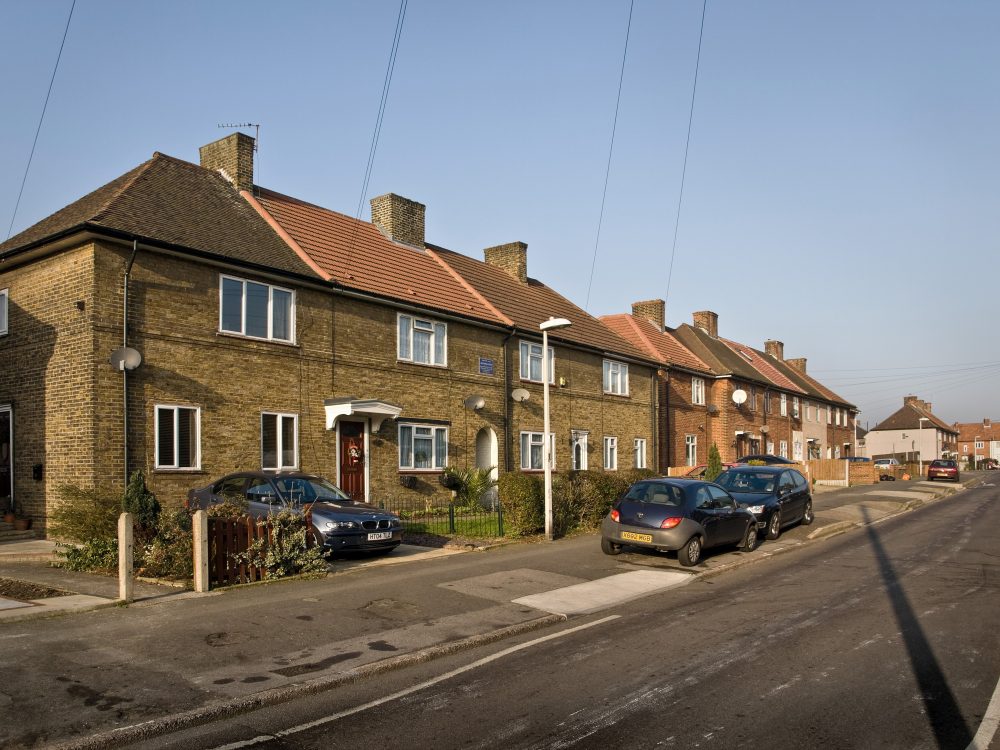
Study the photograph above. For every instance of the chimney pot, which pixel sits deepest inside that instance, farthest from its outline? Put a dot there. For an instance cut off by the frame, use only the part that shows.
(233, 157)
(775, 348)
(512, 258)
(707, 321)
(651, 309)
(399, 219)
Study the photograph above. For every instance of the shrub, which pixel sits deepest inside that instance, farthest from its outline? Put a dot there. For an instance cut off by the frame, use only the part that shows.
(470, 485)
(94, 555)
(714, 467)
(143, 506)
(581, 499)
(170, 554)
(522, 498)
(85, 515)
(287, 554)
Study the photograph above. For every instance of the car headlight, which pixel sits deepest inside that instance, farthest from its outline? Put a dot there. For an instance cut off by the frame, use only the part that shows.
(756, 509)
(336, 525)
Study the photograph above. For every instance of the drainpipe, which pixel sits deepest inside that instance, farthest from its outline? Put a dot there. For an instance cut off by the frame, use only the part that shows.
(128, 269)
(506, 401)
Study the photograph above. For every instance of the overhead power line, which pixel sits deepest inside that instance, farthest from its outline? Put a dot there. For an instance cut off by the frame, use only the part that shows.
(40, 121)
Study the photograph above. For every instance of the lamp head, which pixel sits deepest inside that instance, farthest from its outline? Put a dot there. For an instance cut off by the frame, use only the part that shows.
(553, 323)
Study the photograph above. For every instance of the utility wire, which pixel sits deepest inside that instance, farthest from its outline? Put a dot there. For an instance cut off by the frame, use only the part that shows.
(611, 150)
(40, 120)
(687, 148)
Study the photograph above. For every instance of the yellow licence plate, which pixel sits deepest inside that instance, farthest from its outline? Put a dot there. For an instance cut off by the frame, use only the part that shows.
(637, 537)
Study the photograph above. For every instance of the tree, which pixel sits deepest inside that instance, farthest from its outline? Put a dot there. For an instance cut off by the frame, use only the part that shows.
(714, 467)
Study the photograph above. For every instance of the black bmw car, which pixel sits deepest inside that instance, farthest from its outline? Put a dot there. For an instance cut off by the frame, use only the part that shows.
(339, 523)
(776, 495)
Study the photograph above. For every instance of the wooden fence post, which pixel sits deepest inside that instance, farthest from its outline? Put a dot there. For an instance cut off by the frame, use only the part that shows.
(125, 557)
(199, 528)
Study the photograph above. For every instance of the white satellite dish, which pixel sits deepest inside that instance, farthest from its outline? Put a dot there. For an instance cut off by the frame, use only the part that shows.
(475, 403)
(764, 428)
(520, 394)
(739, 396)
(125, 358)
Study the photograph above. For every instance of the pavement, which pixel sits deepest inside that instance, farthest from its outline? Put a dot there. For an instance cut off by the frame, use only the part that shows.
(174, 658)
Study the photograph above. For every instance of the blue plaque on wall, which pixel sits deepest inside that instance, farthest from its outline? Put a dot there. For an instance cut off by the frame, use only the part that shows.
(485, 366)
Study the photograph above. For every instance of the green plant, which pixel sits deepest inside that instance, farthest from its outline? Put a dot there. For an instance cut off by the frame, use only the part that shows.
(470, 485)
(286, 553)
(522, 500)
(714, 467)
(97, 554)
(85, 515)
(170, 553)
(142, 504)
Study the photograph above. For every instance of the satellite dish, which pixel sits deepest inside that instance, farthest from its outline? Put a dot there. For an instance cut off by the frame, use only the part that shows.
(739, 396)
(713, 409)
(520, 394)
(764, 428)
(125, 358)
(475, 402)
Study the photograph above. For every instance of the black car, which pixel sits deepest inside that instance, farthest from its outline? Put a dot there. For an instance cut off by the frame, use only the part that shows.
(339, 523)
(766, 458)
(778, 496)
(686, 515)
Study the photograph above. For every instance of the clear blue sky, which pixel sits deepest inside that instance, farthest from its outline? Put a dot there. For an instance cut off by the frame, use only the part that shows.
(843, 182)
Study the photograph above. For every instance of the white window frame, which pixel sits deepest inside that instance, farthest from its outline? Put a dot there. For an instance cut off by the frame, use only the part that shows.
(578, 438)
(610, 453)
(698, 391)
(279, 418)
(615, 377)
(4, 295)
(640, 453)
(753, 398)
(536, 440)
(783, 449)
(176, 409)
(809, 411)
(437, 350)
(784, 404)
(836, 414)
(795, 407)
(829, 415)
(271, 289)
(534, 352)
(436, 433)
(690, 450)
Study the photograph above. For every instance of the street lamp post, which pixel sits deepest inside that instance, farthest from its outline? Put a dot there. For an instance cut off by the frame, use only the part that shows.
(548, 325)
(920, 429)
(975, 452)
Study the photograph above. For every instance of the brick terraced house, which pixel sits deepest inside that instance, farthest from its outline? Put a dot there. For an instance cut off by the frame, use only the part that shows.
(274, 333)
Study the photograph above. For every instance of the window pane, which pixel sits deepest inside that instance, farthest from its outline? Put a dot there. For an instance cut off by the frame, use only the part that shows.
(421, 346)
(187, 438)
(607, 375)
(404, 336)
(269, 441)
(439, 343)
(536, 365)
(3, 311)
(440, 448)
(257, 295)
(165, 436)
(232, 305)
(525, 365)
(406, 446)
(423, 446)
(281, 310)
(288, 442)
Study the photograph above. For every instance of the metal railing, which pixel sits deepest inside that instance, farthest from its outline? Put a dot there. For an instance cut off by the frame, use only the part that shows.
(441, 518)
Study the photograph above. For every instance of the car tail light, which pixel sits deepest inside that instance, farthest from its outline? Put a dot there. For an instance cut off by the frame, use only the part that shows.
(669, 523)
(616, 516)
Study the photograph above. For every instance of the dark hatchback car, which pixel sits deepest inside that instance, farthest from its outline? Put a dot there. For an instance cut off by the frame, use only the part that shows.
(765, 458)
(686, 515)
(943, 469)
(776, 495)
(340, 524)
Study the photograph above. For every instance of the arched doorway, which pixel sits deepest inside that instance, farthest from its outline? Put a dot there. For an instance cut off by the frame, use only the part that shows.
(486, 458)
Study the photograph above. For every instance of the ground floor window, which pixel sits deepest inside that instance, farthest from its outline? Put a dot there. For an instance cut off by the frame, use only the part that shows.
(611, 453)
(178, 437)
(423, 447)
(690, 450)
(783, 449)
(532, 444)
(640, 453)
(279, 441)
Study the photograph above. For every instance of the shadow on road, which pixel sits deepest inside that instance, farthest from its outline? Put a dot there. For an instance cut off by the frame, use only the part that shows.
(950, 730)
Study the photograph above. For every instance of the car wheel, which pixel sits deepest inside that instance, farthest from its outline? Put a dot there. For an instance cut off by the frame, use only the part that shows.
(690, 553)
(749, 543)
(610, 548)
(807, 514)
(774, 525)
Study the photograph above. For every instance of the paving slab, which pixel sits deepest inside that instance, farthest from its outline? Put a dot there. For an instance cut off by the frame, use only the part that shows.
(593, 596)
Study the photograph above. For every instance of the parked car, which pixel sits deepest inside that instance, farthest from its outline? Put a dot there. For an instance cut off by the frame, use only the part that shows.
(765, 458)
(856, 459)
(687, 515)
(339, 523)
(943, 469)
(887, 464)
(698, 472)
(776, 495)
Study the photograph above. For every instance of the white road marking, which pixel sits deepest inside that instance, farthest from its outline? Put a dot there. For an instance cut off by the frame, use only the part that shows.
(416, 688)
(989, 724)
(592, 596)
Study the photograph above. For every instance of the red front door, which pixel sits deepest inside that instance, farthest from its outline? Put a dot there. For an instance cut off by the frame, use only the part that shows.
(352, 459)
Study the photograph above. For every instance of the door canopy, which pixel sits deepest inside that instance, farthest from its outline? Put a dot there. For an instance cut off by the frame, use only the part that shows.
(378, 411)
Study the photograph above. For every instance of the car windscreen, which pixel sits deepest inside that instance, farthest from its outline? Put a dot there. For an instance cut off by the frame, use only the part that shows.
(655, 492)
(742, 480)
(301, 490)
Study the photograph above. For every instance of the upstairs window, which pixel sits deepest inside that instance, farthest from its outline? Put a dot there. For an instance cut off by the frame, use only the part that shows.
(615, 378)
(784, 404)
(422, 341)
(279, 441)
(178, 439)
(698, 391)
(254, 310)
(531, 362)
(795, 407)
(4, 293)
(423, 447)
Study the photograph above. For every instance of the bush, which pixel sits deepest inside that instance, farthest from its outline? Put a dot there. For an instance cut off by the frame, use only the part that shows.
(170, 554)
(94, 555)
(287, 554)
(84, 516)
(581, 499)
(470, 485)
(143, 506)
(714, 467)
(522, 499)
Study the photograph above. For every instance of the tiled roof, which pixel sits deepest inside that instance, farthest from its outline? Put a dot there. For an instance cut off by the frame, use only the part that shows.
(808, 383)
(760, 362)
(530, 304)
(171, 201)
(661, 345)
(720, 358)
(356, 255)
(969, 431)
(908, 418)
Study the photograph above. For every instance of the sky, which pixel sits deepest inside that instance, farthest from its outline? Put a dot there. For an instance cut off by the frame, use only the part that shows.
(842, 184)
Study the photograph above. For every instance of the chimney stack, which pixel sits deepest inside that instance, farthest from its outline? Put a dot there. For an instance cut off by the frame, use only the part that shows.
(399, 219)
(512, 258)
(775, 348)
(233, 157)
(799, 364)
(707, 321)
(652, 309)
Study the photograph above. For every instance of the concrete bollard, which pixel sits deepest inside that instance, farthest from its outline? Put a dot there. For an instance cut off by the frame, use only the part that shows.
(126, 557)
(199, 528)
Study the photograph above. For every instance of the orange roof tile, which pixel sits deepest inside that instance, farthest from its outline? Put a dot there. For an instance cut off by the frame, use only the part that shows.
(765, 368)
(661, 345)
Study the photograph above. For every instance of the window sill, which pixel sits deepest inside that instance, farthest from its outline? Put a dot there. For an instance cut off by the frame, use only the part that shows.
(171, 470)
(422, 364)
(617, 395)
(255, 339)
